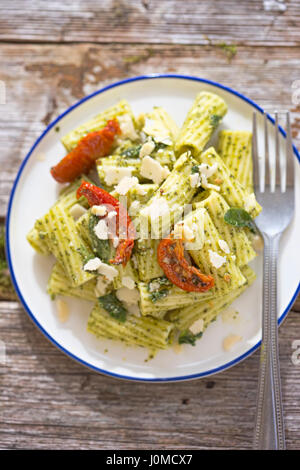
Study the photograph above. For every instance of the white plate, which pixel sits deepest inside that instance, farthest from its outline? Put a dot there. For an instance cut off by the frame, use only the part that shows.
(35, 191)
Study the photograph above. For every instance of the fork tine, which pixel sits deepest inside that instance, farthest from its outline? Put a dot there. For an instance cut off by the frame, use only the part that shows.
(290, 160)
(273, 161)
(266, 155)
(256, 178)
(282, 162)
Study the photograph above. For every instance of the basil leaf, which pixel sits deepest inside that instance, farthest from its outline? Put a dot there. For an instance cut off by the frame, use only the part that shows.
(132, 152)
(195, 169)
(113, 306)
(85, 254)
(100, 247)
(159, 146)
(156, 283)
(159, 294)
(215, 120)
(240, 218)
(187, 337)
(155, 288)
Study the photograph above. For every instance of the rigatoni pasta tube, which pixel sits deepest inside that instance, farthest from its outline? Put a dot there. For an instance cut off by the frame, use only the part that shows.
(146, 254)
(235, 237)
(38, 241)
(148, 332)
(183, 318)
(208, 254)
(59, 284)
(232, 191)
(66, 244)
(168, 299)
(235, 148)
(167, 204)
(71, 139)
(200, 122)
(160, 125)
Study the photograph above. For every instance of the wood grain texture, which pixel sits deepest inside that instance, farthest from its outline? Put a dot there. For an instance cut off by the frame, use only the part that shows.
(152, 21)
(54, 53)
(49, 401)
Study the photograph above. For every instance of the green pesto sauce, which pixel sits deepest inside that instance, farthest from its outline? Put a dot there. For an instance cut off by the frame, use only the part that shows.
(187, 337)
(113, 306)
(101, 248)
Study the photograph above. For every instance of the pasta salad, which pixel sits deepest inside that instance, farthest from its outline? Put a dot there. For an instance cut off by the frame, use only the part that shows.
(160, 239)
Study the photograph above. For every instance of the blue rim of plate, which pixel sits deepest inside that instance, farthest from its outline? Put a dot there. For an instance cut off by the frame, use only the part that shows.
(18, 291)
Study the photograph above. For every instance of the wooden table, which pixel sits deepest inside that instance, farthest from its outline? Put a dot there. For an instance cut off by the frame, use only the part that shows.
(53, 53)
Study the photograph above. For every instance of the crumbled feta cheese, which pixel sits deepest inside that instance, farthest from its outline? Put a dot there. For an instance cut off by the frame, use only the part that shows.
(208, 170)
(147, 148)
(129, 296)
(188, 233)
(156, 209)
(153, 286)
(101, 230)
(115, 241)
(135, 205)
(63, 311)
(128, 282)
(249, 202)
(164, 140)
(197, 327)
(113, 175)
(108, 271)
(195, 180)
(100, 211)
(216, 260)
(140, 190)
(153, 170)
(157, 130)
(101, 286)
(230, 341)
(212, 186)
(111, 215)
(134, 310)
(182, 231)
(127, 127)
(77, 211)
(125, 184)
(205, 184)
(93, 264)
(134, 208)
(224, 247)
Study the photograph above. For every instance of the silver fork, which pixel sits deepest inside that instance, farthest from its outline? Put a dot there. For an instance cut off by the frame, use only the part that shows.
(274, 189)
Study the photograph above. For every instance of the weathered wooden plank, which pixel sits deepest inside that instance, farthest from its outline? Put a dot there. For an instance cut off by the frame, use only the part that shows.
(42, 80)
(296, 306)
(49, 401)
(259, 22)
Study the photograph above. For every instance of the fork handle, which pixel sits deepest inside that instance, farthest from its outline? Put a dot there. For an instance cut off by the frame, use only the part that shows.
(269, 425)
